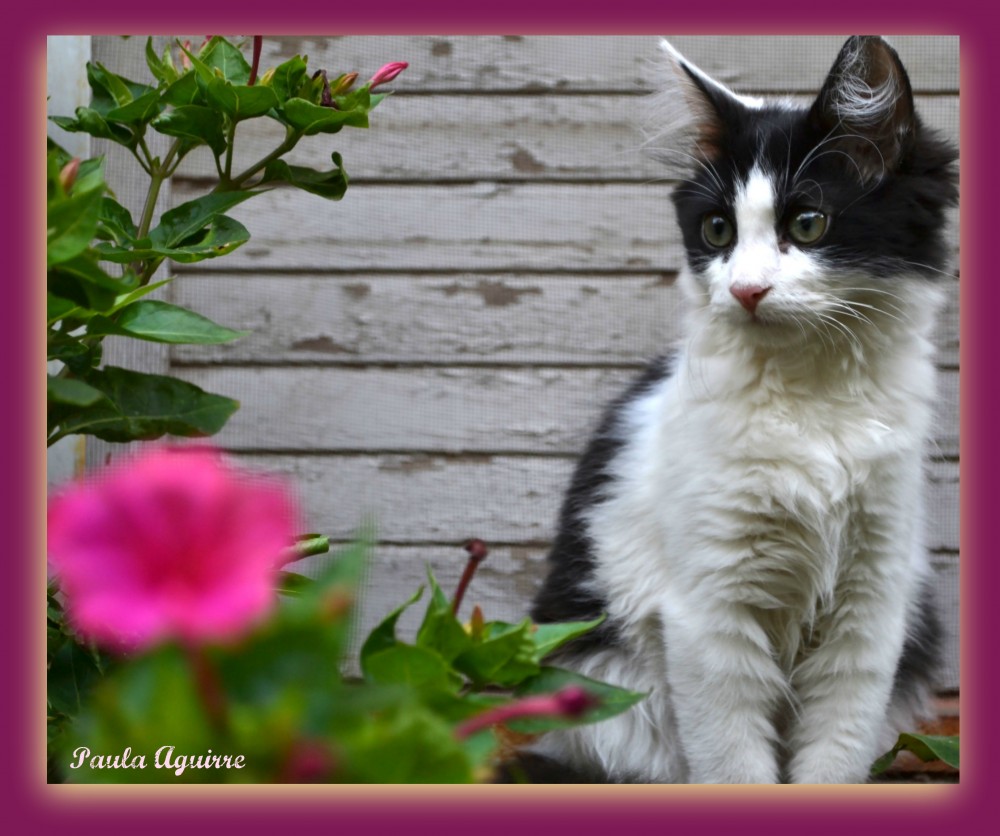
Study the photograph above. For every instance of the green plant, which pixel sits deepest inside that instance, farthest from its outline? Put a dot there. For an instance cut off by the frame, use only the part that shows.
(101, 261)
(927, 747)
(210, 679)
(165, 695)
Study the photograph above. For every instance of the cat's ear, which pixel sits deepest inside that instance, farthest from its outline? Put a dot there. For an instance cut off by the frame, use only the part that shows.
(866, 105)
(691, 109)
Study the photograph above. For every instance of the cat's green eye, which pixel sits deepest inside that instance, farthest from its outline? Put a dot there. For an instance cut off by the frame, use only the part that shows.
(717, 230)
(807, 227)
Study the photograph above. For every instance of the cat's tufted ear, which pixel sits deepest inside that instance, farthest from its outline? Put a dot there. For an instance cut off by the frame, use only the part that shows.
(691, 102)
(866, 106)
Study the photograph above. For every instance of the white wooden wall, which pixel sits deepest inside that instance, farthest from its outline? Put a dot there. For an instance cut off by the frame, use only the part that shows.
(434, 349)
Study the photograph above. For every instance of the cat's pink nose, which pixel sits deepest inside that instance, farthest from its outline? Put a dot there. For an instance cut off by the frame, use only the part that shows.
(749, 295)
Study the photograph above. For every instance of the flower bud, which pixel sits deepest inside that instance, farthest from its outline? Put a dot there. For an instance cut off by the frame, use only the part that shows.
(343, 84)
(67, 177)
(308, 761)
(570, 702)
(387, 73)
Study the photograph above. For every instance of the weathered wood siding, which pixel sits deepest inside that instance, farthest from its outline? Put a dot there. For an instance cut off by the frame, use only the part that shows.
(434, 349)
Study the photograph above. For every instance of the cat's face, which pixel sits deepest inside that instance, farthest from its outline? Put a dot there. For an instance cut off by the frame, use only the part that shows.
(799, 221)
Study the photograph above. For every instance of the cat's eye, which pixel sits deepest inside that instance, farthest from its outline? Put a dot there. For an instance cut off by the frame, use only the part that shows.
(717, 230)
(807, 227)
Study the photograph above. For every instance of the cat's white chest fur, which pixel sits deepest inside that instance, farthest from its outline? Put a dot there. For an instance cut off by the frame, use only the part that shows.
(757, 510)
(759, 478)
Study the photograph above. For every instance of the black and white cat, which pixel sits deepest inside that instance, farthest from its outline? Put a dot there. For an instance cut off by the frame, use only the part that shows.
(749, 513)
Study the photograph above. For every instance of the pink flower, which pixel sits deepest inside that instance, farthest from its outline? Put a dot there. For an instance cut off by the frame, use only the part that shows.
(387, 73)
(172, 544)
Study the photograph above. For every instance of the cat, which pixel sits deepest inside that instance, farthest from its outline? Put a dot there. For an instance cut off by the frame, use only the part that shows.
(748, 514)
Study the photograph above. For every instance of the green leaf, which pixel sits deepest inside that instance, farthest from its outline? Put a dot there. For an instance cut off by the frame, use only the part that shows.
(195, 123)
(415, 667)
(137, 112)
(74, 672)
(927, 747)
(549, 637)
(222, 55)
(407, 745)
(116, 222)
(611, 700)
(109, 90)
(440, 631)
(240, 102)
(221, 237)
(72, 224)
(287, 78)
(162, 68)
(505, 657)
(128, 298)
(163, 323)
(293, 584)
(329, 184)
(72, 392)
(81, 280)
(84, 267)
(311, 119)
(189, 218)
(384, 635)
(77, 356)
(57, 308)
(91, 122)
(145, 406)
(183, 91)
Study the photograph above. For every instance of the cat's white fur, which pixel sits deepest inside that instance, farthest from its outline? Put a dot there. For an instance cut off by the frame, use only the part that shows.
(761, 543)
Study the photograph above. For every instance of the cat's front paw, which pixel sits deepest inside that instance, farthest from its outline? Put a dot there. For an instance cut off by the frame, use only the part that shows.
(830, 768)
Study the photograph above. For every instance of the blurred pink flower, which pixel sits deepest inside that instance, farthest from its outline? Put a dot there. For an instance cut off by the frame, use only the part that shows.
(172, 544)
(387, 73)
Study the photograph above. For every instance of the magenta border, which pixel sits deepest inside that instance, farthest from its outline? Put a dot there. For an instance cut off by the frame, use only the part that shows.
(967, 806)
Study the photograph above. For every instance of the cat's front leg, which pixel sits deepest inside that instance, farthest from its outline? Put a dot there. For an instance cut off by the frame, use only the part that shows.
(725, 686)
(845, 683)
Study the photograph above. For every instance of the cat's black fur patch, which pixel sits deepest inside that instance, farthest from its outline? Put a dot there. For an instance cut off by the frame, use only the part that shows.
(567, 594)
(922, 652)
(895, 223)
(529, 768)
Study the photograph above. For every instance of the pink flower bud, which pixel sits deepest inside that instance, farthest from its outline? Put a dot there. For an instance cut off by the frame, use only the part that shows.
(570, 702)
(387, 73)
(67, 177)
(309, 761)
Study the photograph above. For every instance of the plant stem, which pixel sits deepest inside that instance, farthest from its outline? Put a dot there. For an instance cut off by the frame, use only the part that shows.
(229, 150)
(477, 553)
(291, 139)
(258, 42)
(157, 176)
(209, 687)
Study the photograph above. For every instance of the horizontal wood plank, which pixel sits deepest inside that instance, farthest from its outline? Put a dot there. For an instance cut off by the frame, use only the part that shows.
(500, 318)
(438, 138)
(570, 64)
(421, 499)
(451, 409)
(483, 226)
